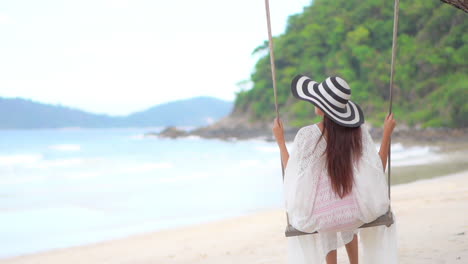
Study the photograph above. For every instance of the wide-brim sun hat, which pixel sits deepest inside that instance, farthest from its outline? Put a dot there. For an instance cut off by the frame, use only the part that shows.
(332, 96)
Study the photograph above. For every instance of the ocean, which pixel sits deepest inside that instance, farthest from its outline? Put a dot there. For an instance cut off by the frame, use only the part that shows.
(63, 188)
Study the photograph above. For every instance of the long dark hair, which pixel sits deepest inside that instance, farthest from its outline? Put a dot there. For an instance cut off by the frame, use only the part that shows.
(344, 149)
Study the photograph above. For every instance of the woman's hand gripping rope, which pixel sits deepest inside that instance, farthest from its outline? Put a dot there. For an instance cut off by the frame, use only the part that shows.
(278, 132)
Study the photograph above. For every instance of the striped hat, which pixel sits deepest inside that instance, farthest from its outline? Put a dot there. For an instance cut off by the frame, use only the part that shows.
(331, 96)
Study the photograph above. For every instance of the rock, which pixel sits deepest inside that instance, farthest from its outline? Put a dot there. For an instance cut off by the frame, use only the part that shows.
(239, 127)
(172, 132)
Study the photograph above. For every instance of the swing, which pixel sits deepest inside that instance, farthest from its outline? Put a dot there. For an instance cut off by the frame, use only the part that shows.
(387, 218)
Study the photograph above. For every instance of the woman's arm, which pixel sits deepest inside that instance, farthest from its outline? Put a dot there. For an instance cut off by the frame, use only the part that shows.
(389, 125)
(278, 132)
(284, 154)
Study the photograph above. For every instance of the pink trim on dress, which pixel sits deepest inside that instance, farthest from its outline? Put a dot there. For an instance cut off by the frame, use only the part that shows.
(330, 211)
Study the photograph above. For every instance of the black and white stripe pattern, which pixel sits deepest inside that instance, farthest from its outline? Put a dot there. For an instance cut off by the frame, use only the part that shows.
(331, 96)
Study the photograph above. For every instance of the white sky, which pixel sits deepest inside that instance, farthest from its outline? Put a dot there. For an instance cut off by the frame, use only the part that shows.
(122, 56)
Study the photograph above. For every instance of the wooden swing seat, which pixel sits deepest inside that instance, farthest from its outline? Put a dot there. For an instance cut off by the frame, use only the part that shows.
(386, 219)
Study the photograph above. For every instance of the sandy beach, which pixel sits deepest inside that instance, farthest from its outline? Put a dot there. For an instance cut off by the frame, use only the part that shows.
(432, 223)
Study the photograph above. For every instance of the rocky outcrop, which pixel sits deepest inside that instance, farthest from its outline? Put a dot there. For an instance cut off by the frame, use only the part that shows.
(171, 132)
(229, 128)
(238, 128)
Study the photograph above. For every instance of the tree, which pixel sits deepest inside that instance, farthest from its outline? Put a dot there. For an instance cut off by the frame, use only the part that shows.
(353, 39)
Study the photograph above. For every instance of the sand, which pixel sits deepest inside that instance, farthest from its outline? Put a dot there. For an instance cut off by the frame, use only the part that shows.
(432, 223)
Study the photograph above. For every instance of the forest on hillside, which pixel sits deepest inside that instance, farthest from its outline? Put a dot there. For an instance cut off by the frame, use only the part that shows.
(352, 39)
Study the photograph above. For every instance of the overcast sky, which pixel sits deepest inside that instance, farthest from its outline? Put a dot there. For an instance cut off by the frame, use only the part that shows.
(121, 56)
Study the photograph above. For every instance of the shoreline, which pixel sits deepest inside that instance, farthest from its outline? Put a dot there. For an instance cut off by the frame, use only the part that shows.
(258, 238)
(263, 131)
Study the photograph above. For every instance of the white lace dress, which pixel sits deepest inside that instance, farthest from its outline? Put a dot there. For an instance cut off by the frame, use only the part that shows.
(312, 205)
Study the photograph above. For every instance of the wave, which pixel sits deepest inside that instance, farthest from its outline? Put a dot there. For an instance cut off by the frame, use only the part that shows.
(66, 147)
(138, 137)
(249, 163)
(194, 137)
(46, 164)
(185, 178)
(18, 159)
(269, 149)
(37, 161)
(417, 160)
(150, 166)
(414, 155)
(83, 175)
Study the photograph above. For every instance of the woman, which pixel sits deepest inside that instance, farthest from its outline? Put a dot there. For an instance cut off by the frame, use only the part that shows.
(334, 179)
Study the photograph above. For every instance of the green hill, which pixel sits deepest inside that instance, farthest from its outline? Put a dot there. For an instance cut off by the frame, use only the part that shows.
(353, 39)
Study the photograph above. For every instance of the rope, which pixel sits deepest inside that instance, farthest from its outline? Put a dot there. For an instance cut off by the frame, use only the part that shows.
(273, 77)
(273, 69)
(272, 56)
(392, 74)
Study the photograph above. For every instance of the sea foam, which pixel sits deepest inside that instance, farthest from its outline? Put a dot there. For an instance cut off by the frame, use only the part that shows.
(66, 147)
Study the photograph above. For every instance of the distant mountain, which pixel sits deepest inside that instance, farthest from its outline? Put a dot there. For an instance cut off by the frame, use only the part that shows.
(194, 112)
(26, 114)
(19, 113)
